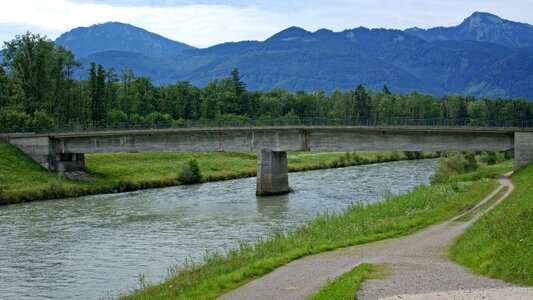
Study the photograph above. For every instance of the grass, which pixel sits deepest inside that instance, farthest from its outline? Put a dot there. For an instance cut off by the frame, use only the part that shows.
(395, 216)
(487, 171)
(500, 244)
(23, 180)
(346, 286)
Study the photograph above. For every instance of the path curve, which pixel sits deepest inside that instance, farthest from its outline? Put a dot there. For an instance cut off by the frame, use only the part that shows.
(417, 266)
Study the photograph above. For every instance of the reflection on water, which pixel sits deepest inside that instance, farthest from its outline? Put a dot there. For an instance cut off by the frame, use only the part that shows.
(94, 246)
(274, 207)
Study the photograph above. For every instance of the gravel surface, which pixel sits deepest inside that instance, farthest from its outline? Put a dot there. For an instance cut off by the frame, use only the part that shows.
(417, 265)
(515, 293)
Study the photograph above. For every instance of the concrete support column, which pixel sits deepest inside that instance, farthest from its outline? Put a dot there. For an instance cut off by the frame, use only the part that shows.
(272, 173)
(523, 149)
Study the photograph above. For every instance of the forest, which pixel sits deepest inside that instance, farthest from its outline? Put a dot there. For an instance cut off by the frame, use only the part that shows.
(38, 90)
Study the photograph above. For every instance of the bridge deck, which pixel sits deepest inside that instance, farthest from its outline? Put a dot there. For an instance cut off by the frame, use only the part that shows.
(436, 129)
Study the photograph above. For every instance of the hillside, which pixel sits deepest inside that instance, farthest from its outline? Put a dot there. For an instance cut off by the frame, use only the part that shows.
(484, 56)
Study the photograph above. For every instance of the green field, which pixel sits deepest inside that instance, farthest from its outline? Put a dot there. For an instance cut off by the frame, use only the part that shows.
(395, 216)
(22, 179)
(500, 244)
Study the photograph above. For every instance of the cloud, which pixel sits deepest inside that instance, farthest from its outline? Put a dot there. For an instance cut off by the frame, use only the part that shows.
(207, 22)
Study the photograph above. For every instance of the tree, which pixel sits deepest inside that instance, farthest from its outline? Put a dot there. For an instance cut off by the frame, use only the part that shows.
(97, 78)
(28, 58)
(386, 90)
(62, 71)
(238, 84)
(5, 98)
(477, 110)
(125, 98)
(362, 103)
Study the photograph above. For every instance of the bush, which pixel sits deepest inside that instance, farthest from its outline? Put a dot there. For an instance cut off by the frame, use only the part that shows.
(156, 116)
(117, 116)
(413, 154)
(136, 118)
(12, 120)
(491, 158)
(452, 164)
(42, 120)
(190, 172)
(395, 156)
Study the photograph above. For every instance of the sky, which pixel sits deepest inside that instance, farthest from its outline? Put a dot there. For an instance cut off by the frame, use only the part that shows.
(205, 23)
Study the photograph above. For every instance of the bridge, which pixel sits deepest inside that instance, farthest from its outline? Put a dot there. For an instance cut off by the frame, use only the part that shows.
(64, 150)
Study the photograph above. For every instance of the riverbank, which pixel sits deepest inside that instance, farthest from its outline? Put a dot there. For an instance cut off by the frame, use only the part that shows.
(23, 180)
(415, 263)
(499, 244)
(359, 224)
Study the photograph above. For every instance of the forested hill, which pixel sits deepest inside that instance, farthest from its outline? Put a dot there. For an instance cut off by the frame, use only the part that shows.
(114, 36)
(484, 56)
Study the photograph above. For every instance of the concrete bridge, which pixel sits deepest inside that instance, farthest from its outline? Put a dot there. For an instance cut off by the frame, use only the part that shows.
(64, 152)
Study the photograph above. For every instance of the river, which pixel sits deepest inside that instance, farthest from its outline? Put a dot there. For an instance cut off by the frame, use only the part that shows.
(96, 246)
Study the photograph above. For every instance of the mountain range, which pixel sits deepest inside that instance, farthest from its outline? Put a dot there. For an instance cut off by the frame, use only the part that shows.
(484, 56)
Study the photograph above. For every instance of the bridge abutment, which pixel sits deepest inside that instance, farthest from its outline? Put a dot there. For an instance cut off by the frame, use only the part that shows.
(272, 173)
(68, 162)
(523, 149)
(44, 151)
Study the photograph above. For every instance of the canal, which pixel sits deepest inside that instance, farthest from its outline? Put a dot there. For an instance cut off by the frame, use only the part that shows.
(96, 246)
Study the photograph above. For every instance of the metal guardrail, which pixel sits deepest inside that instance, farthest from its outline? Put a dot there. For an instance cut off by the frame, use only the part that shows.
(243, 123)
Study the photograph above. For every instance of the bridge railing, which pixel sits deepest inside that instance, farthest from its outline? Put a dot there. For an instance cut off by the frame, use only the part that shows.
(241, 123)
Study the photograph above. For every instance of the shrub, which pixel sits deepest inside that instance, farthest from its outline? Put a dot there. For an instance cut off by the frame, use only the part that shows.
(11, 119)
(190, 172)
(42, 120)
(157, 117)
(395, 156)
(452, 164)
(413, 154)
(117, 116)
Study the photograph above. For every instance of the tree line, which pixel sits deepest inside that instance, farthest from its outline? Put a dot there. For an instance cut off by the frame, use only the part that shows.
(37, 89)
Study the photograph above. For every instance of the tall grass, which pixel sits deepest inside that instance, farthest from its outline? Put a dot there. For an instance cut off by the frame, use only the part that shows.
(359, 223)
(500, 244)
(457, 166)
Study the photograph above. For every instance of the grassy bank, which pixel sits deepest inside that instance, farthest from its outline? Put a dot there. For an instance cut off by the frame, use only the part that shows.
(395, 216)
(500, 244)
(22, 180)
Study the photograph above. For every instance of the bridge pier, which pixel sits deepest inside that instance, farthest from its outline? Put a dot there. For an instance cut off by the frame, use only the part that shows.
(272, 173)
(523, 149)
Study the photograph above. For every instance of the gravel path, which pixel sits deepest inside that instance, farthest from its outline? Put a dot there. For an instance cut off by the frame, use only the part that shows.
(417, 266)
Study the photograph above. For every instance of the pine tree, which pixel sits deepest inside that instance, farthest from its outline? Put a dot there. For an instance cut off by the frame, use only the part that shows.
(240, 86)
(386, 90)
(362, 103)
(97, 77)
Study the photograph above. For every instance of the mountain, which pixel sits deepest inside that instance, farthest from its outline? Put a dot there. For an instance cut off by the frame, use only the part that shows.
(114, 36)
(481, 27)
(484, 56)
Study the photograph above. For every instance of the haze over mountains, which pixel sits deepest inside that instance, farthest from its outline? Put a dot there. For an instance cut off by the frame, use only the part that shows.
(485, 56)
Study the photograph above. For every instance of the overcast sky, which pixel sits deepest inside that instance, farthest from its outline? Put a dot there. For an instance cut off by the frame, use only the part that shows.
(207, 22)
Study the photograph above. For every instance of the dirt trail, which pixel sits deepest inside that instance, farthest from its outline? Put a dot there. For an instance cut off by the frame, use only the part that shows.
(417, 266)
